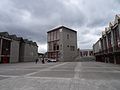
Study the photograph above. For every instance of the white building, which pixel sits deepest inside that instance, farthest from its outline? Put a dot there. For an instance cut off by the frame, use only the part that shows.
(62, 44)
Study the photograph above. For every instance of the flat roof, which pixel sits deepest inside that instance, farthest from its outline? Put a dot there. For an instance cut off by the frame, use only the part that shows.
(60, 28)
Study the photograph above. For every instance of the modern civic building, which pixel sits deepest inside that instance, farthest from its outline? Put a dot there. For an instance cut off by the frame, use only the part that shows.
(16, 49)
(62, 44)
(5, 44)
(107, 48)
(28, 50)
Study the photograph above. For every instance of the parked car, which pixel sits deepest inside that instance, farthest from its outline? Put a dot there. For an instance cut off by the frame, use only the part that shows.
(51, 60)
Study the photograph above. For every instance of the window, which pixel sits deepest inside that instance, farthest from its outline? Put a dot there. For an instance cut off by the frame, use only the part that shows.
(54, 47)
(72, 48)
(50, 46)
(61, 47)
(57, 47)
(67, 36)
(109, 40)
(91, 53)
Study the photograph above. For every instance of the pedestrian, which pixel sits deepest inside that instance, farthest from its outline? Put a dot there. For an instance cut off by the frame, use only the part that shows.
(43, 60)
(36, 60)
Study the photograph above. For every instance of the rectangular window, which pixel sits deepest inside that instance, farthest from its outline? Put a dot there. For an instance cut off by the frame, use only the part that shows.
(72, 48)
(67, 36)
(50, 46)
(61, 47)
(54, 47)
(6, 47)
(57, 47)
(109, 40)
(54, 35)
(50, 36)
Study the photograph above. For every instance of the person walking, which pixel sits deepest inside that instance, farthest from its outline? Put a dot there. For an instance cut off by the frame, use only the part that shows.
(36, 61)
(43, 60)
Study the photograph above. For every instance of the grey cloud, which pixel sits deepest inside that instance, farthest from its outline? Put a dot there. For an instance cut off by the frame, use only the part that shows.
(39, 36)
(52, 9)
(84, 31)
(33, 18)
(100, 12)
(48, 13)
(97, 22)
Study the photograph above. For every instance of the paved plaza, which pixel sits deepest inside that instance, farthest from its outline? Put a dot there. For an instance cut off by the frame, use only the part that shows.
(60, 76)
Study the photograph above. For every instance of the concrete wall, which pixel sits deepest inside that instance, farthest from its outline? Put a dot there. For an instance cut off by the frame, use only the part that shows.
(14, 52)
(30, 53)
(61, 45)
(21, 52)
(68, 42)
(0, 47)
(97, 47)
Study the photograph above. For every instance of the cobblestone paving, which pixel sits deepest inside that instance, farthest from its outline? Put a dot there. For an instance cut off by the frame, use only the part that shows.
(60, 76)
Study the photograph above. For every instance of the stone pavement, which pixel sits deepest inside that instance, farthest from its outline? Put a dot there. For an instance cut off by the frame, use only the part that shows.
(60, 76)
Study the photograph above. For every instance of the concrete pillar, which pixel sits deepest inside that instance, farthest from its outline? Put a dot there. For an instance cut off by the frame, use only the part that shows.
(107, 40)
(88, 53)
(114, 59)
(0, 48)
(119, 28)
(112, 39)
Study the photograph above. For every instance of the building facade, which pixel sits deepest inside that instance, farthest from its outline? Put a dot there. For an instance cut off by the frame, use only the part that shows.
(28, 51)
(107, 48)
(86, 52)
(62, 44)
(14, 49)
(5, 44)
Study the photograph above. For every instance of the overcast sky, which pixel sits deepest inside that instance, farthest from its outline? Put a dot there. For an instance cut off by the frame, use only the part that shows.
(31, 19)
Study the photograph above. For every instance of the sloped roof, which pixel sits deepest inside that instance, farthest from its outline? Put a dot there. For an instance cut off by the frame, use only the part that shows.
(103, 33)
(59, 27)
(14, 37)
(20, 38)
(5, 34)
(30, 42)
(111, 24)
(118, 15)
